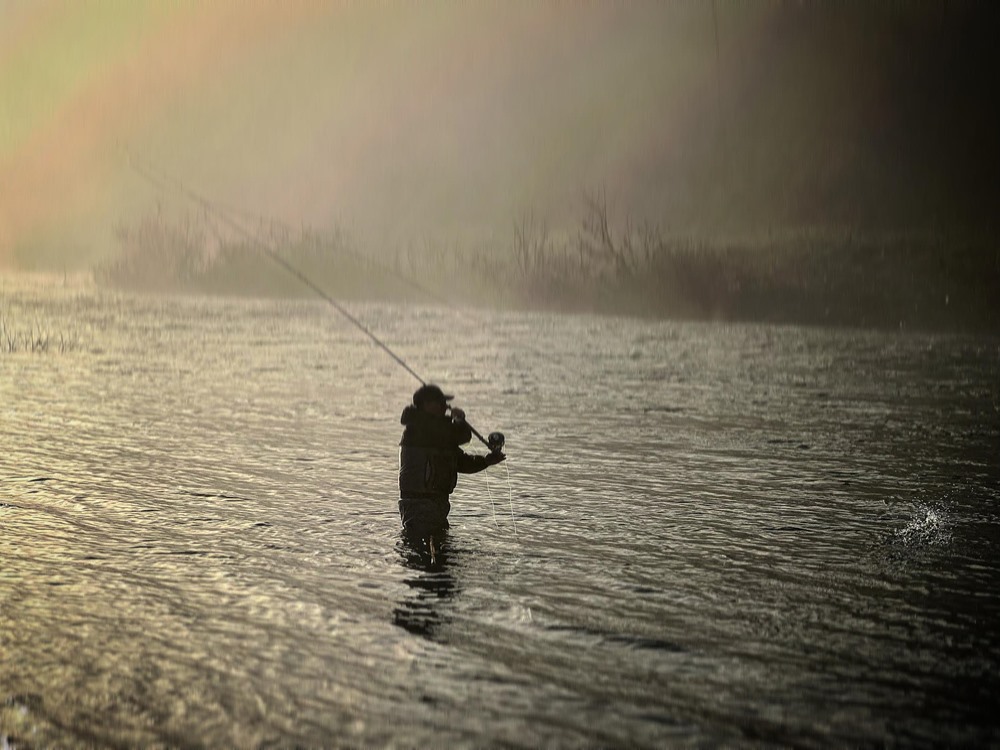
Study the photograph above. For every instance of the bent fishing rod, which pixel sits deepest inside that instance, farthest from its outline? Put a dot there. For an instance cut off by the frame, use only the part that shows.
(494, 442)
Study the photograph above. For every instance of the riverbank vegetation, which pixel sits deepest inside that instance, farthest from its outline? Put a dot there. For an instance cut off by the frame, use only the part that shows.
(831, 163)
(35, 338)
(822, 276)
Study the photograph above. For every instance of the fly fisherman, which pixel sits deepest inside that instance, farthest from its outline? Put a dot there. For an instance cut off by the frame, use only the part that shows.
(430, 461)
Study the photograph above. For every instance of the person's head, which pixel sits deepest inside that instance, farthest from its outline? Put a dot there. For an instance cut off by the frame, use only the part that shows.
(431, 399)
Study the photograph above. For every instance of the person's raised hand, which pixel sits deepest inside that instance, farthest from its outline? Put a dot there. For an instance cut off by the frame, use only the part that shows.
(495, 457)
(458, 415)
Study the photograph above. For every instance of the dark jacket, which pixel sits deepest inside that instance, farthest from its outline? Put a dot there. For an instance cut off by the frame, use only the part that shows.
(430, 458)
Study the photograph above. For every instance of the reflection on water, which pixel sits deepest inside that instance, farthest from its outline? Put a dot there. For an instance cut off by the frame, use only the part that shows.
(433, 585)
(725, 535)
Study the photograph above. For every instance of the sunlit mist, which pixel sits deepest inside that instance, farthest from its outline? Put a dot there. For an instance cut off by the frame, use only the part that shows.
(449, 123)
(390, 116)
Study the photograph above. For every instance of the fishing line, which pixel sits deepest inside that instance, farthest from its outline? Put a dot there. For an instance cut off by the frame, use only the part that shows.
(493, 505)
(510, 497)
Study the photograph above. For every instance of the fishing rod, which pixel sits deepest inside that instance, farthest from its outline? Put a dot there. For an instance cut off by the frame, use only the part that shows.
(494, 442)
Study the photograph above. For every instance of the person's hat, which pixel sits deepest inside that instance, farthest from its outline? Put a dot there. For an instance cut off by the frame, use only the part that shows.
(430, 392)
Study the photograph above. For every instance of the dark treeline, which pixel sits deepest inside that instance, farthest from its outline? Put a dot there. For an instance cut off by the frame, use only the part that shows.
(877, 116)
(891, 279)
(887, 280)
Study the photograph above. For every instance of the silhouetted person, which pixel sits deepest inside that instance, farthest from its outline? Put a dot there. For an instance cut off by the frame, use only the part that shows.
(430, 460)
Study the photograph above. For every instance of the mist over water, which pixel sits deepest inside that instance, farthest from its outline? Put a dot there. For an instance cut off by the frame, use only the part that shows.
(408, 125)
(725, 534)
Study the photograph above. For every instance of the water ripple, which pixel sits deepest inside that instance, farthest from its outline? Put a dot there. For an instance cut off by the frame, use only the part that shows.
(725, 535)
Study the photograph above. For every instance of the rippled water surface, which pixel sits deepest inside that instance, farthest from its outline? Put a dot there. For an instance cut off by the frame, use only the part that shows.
(710, 534)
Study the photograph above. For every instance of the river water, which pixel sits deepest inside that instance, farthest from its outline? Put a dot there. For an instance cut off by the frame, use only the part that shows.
(709, 534)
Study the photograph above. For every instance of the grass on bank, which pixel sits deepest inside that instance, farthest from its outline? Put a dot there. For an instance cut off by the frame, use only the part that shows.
(35, 339)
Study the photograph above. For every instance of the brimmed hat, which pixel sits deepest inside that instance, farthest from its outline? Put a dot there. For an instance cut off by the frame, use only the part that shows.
(430, 392)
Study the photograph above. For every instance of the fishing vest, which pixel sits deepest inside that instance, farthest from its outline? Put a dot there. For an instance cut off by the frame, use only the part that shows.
(427, 470)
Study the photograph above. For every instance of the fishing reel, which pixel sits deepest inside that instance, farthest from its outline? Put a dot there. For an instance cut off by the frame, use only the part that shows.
(495, 441)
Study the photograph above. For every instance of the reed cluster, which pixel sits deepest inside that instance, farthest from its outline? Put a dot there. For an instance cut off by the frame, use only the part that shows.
(35, 339)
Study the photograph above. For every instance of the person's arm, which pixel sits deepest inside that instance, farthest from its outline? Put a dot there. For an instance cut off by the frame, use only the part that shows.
(461, 433)
(471, 464)
(460, 429)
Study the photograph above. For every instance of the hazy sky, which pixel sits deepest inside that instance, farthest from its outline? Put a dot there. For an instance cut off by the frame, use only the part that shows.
(450, 119)
(392, 118)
